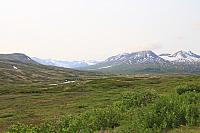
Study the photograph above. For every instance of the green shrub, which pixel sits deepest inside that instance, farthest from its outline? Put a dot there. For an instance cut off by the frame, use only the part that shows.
(166, 113)
(21, 128)
(49, 127)
(141, 112)
(138, 98)
(91, 121)
(191, 98)
(193, 115)
(188, 88)
(109, 117)
(64, 122)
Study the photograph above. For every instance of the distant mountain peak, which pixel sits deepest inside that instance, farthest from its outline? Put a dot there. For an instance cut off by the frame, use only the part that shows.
(148, 61)
(136, 57)
(19, 54)
(65, 64)
(182, 56)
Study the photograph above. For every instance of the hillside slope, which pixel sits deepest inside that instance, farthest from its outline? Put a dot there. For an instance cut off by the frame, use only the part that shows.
(21, 68)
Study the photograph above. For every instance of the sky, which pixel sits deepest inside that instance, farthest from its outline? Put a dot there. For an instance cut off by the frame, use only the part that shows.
(97, 29)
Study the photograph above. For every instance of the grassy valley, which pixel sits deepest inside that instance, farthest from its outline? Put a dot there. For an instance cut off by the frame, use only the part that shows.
(97, 66)
(38, 98)
(31, 73)
(38, 103)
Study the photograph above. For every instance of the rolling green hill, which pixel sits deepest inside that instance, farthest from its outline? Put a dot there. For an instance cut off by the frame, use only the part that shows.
(17, 57)
(122, 68)
(22, 69)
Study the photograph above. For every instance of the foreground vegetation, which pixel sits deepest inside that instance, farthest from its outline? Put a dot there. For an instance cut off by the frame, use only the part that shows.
(151, 103)
(137, 112)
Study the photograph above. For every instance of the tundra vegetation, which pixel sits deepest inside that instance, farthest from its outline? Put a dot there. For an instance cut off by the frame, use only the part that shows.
(140, 103)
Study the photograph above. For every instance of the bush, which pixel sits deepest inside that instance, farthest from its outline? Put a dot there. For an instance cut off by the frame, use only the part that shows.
(138, 98)
(95, 120)
(137, 112)
(191, 98)
(48, 127)
(188, 88)
(193, 115)
(166, 113)
(109, 117)
(21, 128)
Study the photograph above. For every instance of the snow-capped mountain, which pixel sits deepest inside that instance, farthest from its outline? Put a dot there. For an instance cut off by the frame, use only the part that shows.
(182, 57)
(142, 57)
(142, 61)
(65, 64)
(148, 61)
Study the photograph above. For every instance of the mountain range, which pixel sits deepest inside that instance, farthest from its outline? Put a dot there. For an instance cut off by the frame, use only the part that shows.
(182, 56)
(20, 65)
(65, 64)
(148, 61)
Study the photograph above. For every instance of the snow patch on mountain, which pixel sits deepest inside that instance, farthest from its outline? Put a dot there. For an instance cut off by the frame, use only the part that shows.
(145, 57)
(182, 56)
(14, 67)
(104, 67)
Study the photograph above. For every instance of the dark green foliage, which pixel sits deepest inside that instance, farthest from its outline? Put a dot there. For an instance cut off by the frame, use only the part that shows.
(191, 98)
(193, 115)
(188, 88)
(88, 122)
(166, 113)
(93, 120)
(138, 98)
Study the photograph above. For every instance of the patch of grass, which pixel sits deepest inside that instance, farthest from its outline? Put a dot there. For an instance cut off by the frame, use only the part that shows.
(188, 88)
(52, 102)
(7, 115)
(144, 112)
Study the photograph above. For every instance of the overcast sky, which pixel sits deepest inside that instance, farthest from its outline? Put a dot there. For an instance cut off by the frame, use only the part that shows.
(97, 29)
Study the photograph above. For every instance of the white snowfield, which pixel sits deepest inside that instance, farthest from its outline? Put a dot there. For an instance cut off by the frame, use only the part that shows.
(104, 67)
(65, 82)
(14, 67)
